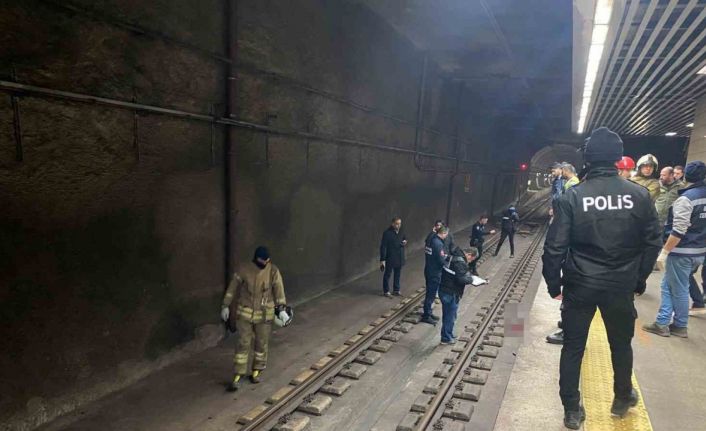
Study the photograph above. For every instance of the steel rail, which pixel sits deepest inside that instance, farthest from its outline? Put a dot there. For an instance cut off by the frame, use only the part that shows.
(435, 409)
(292, 399)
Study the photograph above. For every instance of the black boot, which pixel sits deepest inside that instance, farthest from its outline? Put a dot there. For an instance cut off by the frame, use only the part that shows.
(556, 338)
(621, 407)
(234, 384)
(255, 376)
(573, 418)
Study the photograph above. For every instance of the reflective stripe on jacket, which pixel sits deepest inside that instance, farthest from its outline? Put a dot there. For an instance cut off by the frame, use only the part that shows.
(256, 292)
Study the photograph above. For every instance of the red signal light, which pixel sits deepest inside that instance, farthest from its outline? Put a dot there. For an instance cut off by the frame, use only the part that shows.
(523, 167)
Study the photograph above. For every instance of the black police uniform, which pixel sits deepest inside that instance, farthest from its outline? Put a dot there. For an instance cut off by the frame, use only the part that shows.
(605, 239)
(478, 234)
(509, 220)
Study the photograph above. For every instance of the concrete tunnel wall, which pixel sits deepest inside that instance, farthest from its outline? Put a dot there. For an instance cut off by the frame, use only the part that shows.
(112, 234)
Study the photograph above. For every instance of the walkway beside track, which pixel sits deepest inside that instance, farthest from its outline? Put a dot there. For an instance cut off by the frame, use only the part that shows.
(668, 371)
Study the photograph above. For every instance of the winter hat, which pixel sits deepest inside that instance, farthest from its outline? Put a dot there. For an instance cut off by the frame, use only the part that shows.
(603, 146)
(262, 253)
(695, 171)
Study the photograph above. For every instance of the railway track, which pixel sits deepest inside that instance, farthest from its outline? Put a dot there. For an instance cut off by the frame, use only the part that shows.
(311, 391)
(461, 383)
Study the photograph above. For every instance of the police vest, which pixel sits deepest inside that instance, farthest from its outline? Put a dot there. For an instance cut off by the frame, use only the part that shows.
(693, 243)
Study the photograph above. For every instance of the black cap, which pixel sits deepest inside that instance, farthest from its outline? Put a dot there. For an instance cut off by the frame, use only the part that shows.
(603, 146)
(262, 253)
(695, 171)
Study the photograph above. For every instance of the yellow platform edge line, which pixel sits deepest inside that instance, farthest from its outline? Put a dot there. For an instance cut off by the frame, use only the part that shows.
(597, 387)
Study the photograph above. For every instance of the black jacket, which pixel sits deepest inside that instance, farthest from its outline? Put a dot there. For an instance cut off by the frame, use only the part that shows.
(456, 276)
(478, 234)
(605, 236)
(391, 248)
(509, 219)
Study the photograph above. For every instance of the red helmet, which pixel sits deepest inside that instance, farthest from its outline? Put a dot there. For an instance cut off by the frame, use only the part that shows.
(625, 163)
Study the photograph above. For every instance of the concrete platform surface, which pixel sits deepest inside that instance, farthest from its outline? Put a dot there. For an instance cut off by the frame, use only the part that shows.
(668, 370)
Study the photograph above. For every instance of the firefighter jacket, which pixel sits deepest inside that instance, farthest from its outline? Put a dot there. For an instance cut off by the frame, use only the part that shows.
(605, 236)
(456, 276)
(255, 292)
(667, 196)
(651, 184)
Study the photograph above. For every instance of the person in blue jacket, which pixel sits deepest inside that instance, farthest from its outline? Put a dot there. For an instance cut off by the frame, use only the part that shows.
(434, 260)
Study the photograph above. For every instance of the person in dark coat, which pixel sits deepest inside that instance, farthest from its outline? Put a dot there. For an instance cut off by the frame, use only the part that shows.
(478, 234)
(454, 279)
(392, 256)
(434, 260)
(510, 219)
(598, 253)
(434, 230)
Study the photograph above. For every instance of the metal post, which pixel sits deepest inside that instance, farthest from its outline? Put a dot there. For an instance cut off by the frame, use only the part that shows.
(230, 36)
(16, 121)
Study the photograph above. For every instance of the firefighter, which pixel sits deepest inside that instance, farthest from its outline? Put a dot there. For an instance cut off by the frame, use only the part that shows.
(598, 254)
(646, 167)
(625, 167)
(257, 296)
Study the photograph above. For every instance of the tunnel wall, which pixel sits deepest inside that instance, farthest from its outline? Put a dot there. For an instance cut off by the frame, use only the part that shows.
(112, 234)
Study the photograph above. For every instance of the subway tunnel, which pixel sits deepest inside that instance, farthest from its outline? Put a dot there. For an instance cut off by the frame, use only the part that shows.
(146, 149)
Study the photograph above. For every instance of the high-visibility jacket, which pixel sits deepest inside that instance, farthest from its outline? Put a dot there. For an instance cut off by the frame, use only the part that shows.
(255, 292)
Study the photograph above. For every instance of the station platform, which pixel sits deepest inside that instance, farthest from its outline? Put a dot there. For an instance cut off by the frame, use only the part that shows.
(667, 371)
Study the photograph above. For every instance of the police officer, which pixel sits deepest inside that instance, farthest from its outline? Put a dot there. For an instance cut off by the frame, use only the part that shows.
(509, 220)
(257, 293)
(478, 234)
(434, 259)
(605, 239)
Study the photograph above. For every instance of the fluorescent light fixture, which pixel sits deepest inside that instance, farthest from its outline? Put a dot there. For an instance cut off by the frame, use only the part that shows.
(702, 71)
(670, 134)
(601, 20)
(690, 125)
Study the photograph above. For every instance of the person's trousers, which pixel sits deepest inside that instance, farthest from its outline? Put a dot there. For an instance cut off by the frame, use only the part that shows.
(255, 337)
(577, 309)
(675, 290)
(696, 295)
(386, 278)
(509, 235)
(449, 309)
(433, 282)
(473, 266)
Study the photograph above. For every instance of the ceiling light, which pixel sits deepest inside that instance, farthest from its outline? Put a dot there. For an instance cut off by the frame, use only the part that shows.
(601, 19)
(702, 71)
(690, 125)
(670, 134)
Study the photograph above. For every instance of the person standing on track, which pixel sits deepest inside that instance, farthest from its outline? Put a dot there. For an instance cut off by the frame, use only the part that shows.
(478, 234)
(434, 260)
(257, 294)
(510, 219)
(598, 253)
(392, 259)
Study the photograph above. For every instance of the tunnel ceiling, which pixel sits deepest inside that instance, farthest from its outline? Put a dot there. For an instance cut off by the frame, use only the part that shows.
(648, 80)
(515, 54)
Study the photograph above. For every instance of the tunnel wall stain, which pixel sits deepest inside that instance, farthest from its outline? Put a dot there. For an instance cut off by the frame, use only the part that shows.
(112, 236)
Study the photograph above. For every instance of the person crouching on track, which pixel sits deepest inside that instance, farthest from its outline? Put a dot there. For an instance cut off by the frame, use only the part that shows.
(257, 294)
(453, 282)
(598, 253)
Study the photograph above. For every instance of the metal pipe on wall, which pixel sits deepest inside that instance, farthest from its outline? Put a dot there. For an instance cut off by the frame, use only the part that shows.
(15, 88)
(452, 178)
(230, 36)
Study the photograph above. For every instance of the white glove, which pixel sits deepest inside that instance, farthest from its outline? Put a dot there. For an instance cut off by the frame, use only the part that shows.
(225, 314)
(662, 259)
(284, 317)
